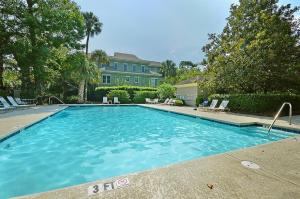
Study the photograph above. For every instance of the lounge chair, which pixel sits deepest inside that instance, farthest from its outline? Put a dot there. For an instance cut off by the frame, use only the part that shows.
(166, 101)
(5, 104)
(148, 101)
(171, 102)
(223, 106)
(104, 101)
(155, 101)
(14, 103)
(203, 104)
(116, 100)
(213, 105)
(19, 101)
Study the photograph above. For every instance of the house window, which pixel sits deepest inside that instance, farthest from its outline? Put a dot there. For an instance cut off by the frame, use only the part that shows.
(143, 69)
(136, 80)
(115, 66)
(106, 79)
(154, 82)
(127, 79)
(133, 67)
(125, 67)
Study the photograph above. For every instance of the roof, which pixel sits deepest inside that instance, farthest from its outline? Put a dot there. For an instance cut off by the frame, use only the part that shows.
(133, 58)
(191, 80)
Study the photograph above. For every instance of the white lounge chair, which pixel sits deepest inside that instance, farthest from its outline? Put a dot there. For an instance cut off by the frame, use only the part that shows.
(148, 101)
(166, 101)
(212, 105)
(171, 102)
(19, 101)
(223, 106)
(116, 100)
(155, 101)
(14, 103)
(104, 101)
(5, 104)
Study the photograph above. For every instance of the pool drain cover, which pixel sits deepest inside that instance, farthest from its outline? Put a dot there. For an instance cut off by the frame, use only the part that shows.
(250, 165)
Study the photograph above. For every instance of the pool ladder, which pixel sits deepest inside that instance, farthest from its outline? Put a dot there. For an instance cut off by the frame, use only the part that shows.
(56, 99)
(278, 114)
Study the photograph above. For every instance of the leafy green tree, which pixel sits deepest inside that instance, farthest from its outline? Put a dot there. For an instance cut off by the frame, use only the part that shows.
(42, 25)
(166, 91)
(92, 27)
(187, 64)
(258, 50)
(168, 68)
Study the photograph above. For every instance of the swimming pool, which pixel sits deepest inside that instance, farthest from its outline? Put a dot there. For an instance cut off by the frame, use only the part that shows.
(82, 144)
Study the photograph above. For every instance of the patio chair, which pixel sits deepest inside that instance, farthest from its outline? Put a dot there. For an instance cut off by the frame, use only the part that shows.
(155, 101)
(203, 104)
(223, 106)
(171, 102)
(5, 104)
(148, 101)
(19, 101)
(104, 101)
(14, 103)
(213, 105)
(116, 100)
(166, 101)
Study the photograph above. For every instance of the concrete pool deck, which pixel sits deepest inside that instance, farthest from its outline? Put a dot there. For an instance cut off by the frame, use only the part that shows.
(278, 176)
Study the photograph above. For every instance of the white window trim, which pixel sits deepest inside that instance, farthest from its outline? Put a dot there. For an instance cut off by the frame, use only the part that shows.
(126, 78)
(106, 79)
(116, 68)
(126, 67)
(142, 68)
(138, 79)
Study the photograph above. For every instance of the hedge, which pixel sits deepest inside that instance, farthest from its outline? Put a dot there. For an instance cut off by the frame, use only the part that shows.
(100, 92)
(140, 96)
(122, 95)
(266, 104)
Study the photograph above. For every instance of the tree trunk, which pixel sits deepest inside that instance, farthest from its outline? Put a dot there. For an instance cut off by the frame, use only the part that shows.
(1, 72)
(86, 90)
(87, 44)
(81, 91)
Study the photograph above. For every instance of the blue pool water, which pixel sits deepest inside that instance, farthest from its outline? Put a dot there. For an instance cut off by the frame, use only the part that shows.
(83, 144)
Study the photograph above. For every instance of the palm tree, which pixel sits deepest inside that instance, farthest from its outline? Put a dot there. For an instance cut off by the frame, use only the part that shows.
(168, 68)
(92, 27)
(99, 57)
(84, 71)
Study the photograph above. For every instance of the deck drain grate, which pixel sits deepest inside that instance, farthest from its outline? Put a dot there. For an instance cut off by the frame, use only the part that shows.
(250, 165)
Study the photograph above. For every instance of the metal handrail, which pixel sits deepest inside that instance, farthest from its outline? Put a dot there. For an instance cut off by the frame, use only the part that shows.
(49, 100)
(278, 114)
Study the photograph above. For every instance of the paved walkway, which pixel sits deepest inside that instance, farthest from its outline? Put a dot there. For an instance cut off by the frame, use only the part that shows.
(232, 118)
(278, 176)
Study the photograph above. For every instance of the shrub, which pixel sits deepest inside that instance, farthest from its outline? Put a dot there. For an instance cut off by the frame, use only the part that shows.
(179, 102)
(139, 96)
(200, 99)
(100, 92)
(122, 95)
(266, 104)
(72, 99)
(166, 91)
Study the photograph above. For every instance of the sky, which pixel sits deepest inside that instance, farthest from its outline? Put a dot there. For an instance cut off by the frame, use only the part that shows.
(158, 30)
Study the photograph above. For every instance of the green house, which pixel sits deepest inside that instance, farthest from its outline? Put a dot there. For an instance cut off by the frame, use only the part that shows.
(128, 69)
